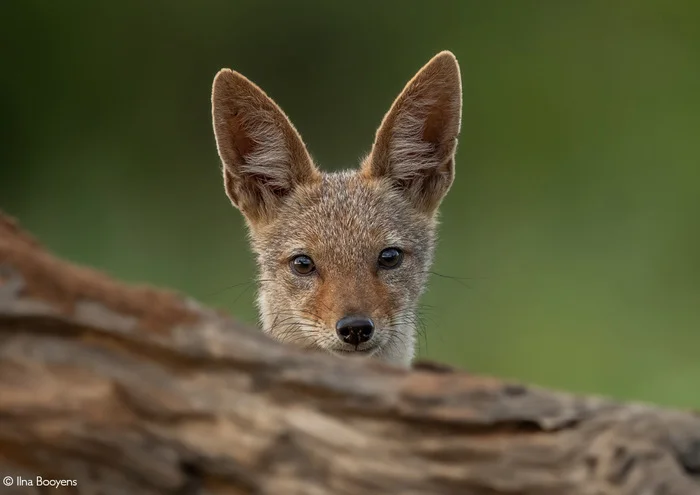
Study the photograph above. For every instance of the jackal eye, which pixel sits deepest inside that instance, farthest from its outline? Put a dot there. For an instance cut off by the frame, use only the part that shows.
(390, 258)
(302, 265)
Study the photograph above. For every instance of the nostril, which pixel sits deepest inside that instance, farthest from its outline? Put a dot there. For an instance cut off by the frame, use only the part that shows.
(366, 332)
(355, 330)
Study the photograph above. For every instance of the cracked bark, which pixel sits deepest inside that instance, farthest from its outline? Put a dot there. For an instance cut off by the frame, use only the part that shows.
(139, 391)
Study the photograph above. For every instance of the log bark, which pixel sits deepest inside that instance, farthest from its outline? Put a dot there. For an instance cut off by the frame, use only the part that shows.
(133, 390)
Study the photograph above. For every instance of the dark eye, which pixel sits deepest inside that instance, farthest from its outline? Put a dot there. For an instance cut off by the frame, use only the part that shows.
(390, 258)
(302, 265)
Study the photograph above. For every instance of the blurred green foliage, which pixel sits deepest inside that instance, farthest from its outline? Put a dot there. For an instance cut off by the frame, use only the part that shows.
(574, 219)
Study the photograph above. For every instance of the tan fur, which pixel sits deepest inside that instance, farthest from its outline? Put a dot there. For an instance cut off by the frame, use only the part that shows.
(341, 220)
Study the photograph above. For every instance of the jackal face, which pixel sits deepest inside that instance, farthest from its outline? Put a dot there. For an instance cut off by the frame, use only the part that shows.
(343, 257)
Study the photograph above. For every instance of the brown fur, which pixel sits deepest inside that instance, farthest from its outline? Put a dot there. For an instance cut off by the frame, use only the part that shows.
(341, 220)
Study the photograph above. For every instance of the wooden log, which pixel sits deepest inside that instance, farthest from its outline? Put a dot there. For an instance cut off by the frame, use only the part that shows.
(114, 389)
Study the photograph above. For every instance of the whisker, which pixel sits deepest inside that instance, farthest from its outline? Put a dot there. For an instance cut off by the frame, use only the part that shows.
(217, 292)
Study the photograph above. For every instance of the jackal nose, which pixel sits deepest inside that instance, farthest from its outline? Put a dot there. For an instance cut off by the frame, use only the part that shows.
(354, 330)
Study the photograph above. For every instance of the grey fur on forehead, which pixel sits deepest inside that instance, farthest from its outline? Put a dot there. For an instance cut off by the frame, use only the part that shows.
(346, 214)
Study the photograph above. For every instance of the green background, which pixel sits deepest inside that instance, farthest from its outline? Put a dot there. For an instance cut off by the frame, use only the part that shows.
(573, 223)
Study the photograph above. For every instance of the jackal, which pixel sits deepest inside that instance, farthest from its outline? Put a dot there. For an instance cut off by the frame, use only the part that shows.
(343, 257)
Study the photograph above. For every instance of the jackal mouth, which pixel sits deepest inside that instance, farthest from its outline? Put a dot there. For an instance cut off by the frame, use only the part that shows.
(355, 352)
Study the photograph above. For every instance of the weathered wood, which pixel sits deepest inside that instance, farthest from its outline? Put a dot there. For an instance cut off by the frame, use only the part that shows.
(132, 390)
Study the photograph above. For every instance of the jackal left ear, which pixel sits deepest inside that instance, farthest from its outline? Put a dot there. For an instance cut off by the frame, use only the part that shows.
(415, 145)
(264, 158)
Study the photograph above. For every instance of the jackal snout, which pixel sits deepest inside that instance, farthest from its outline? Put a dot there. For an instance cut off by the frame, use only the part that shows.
(355, 329)
(343, 257)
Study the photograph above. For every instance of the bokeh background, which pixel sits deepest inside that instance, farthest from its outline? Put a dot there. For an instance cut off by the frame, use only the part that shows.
(573, 227)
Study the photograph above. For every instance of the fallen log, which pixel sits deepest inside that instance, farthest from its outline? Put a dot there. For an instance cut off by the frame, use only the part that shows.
(114, 389)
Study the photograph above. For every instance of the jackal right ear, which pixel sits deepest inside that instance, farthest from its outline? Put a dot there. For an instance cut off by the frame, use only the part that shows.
(263, 156)
(415, 145)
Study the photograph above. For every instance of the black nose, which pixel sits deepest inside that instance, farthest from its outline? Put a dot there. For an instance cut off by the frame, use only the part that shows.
(354, 330)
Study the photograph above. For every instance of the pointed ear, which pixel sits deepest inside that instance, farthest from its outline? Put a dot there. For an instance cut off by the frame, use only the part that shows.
(415, 145)
(262, 154)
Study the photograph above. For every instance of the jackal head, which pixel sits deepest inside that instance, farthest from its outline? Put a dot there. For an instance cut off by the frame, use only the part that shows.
(343, 257)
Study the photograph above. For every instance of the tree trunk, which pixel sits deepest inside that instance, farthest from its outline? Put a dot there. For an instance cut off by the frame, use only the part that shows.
(111, 389)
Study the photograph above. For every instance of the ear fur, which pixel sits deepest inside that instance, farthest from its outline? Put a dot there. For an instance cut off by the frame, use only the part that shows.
(416, 142)
(263, 156)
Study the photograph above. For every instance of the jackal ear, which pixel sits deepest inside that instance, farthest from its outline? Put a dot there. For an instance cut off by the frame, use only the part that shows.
(263, 156)
(415, 145)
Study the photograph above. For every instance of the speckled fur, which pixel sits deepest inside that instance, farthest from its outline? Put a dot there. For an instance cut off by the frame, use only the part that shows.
(341, 220)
